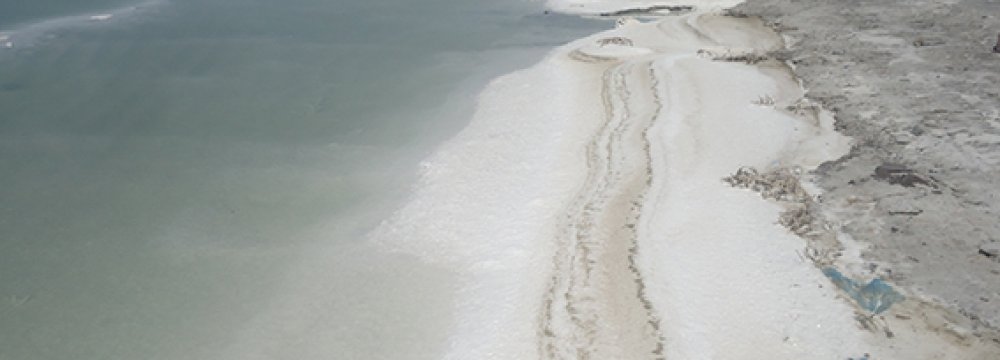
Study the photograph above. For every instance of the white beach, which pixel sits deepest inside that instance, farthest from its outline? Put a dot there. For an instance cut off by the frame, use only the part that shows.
(585, 206)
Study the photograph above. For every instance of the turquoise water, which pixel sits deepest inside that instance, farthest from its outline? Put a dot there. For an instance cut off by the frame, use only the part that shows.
(194, 179)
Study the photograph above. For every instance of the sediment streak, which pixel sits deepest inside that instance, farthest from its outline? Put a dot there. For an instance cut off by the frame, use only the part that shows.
(595, 306)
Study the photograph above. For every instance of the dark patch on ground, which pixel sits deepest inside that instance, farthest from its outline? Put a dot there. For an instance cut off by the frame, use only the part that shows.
(678, 9)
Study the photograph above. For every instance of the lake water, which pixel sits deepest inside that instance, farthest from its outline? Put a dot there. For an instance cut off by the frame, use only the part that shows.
(194, 179)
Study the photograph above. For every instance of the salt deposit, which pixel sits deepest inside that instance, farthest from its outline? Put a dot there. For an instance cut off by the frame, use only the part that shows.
(585, 205)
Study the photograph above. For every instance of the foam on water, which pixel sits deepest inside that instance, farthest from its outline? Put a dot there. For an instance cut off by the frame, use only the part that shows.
(29, 34)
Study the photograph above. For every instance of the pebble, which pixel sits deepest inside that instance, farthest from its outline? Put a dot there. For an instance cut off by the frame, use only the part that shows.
(991, 250)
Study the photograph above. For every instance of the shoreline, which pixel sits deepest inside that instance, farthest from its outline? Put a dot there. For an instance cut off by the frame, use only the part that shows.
(488, 194)
(615, 184)
(603, 209)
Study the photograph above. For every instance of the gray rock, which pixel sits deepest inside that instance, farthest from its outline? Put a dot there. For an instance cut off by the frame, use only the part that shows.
(991, 250)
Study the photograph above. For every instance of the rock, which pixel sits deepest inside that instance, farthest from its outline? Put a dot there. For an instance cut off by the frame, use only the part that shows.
(990, 250)
(899, 175)
(928, 42)
(889, 169)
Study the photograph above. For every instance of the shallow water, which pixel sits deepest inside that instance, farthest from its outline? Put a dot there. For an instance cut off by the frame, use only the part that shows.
(20, 12)
(195, 179)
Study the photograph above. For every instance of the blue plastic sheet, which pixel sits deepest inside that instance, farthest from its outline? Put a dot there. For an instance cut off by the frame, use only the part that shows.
(876, 296)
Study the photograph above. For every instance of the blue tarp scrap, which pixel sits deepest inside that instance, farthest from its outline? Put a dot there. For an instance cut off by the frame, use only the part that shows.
(876, 296)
